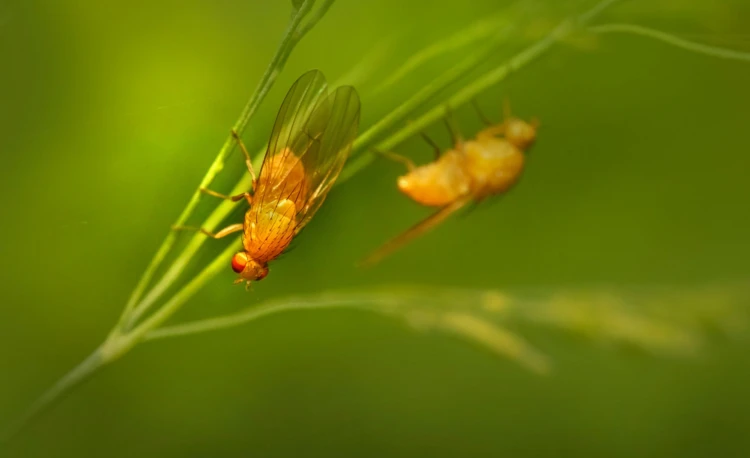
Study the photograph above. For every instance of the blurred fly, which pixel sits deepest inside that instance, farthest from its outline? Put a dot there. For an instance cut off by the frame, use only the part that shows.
(472, 170)
(310, 141)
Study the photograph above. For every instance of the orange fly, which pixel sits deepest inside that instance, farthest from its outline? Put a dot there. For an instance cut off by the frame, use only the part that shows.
(472, 170)
(310, 141)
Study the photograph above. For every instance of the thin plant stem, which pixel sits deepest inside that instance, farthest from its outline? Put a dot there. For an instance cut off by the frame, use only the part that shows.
(75, 377)
(174, 303)
(421, 308)
(485, 28)
(699, 48)
(664, 319)
(314, 19)
(365, 301)
(596, 10)
(422, 96)
(390, 300)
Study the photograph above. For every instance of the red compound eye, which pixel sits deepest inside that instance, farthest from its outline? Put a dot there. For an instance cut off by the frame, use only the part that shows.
(239, 261)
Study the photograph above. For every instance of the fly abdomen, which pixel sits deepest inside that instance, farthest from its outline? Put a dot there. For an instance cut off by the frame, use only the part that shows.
(269, 229)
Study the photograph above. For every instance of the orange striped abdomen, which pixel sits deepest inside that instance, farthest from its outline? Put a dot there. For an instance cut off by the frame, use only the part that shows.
(269, 229)
(438, 183)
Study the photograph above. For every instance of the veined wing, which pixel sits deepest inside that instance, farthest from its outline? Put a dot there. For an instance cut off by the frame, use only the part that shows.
(334, 125)
(413, 232)
(310, 142)
(281, 174)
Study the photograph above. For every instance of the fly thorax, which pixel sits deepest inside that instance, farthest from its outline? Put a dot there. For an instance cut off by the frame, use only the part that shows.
(495, 164)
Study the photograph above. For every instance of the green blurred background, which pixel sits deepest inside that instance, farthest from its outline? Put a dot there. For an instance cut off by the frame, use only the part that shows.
(111, 112)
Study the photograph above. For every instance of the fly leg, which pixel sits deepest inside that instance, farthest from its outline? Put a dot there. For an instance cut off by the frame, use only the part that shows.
(432, 143)
(481, 115)
(507, 113)
(248, 161)
(495, 129)
(214, 235)
(246, 195)
(450, 123)
(413, 232)
(397, 158)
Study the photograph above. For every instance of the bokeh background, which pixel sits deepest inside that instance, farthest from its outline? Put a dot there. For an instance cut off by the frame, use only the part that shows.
(110, 113)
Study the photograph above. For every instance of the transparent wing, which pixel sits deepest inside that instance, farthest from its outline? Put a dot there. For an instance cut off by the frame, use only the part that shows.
(281, 175)
(333, 126)
(413, 232)
(310, 142)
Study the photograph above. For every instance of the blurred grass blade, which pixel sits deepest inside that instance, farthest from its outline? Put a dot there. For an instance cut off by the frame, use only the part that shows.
(492, 28)
(673, 40)
(663, 321)
(74, 377)
(417, 100)
(317, 15)
(606, 316)
(297, 4)
(497, 339)
(422, 309)
(361, 74)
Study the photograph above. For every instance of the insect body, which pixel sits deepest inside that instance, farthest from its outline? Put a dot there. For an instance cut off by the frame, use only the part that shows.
(472, 170)
(310, 141)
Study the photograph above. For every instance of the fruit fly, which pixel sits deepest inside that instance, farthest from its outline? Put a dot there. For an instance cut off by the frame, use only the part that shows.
(491, 163)
(310, 141)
